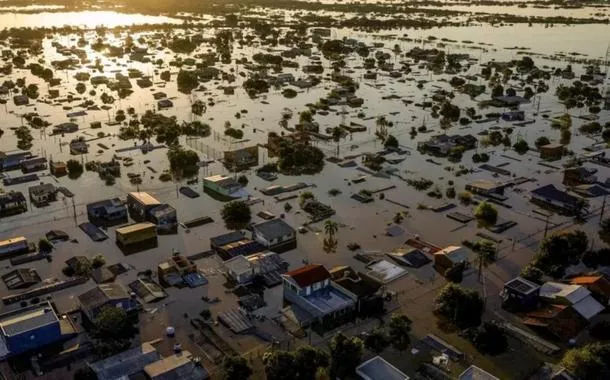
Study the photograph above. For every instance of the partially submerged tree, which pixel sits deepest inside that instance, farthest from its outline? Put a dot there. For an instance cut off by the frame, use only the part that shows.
(236, 215)
(486, 214)
(461, 306)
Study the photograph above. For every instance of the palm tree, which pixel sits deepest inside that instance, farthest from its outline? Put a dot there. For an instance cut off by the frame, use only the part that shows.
(382, 127)
(338, 133)
(330, 228)
(330, 245)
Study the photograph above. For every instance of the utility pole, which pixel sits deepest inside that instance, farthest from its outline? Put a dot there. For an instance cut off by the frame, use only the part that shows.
(74, 211)
(601, 214)
(546, 225)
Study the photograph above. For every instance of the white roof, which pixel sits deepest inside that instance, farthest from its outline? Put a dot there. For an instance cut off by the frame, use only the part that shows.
(378, 368)
(238, 265)
(385, 271)
(475, 373)
(571, 293)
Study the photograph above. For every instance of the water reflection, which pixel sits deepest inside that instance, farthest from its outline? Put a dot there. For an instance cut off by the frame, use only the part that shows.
(88, 19)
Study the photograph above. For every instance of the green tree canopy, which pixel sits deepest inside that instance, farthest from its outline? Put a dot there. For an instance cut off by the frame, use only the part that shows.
(486, 214)
(236, 215)
(235, 368)
(398, 331)
(346, 355)
(377, 340)
(590, 362)
(462, 306)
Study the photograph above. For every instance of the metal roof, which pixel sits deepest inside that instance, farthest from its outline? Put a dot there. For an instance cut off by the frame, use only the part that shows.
(144, 198)
(378, 368)
(101, 294)
(273, 229)
(28, 319)
(135, 227)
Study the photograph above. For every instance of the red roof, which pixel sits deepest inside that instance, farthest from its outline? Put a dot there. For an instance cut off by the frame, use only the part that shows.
(309, 274)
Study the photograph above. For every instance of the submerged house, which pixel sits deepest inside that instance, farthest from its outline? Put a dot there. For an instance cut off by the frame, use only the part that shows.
(12, 203)
(275, 235)
(42, 194)
(551, 197)
(107, 211)
(442, 145)
(313, 297)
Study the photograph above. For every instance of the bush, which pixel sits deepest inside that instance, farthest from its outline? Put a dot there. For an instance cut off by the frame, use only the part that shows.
(455, 274)
(236, 215)
(490, 339)
(44, 245)
(75, 169)
(521, 146)
(98, 261)
(486, 214)
(463, 307)
(465, 198)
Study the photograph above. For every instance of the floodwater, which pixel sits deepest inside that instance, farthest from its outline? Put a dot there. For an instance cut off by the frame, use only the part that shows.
(86, 19)
(364, 224)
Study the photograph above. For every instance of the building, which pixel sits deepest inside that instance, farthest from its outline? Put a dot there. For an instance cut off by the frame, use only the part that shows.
(136, 233)
(140, 203)
(266, 265)
(552, 151)
(173, 270)
(599, 287)
(43, 194)
(475, 373)
(561, 321)
(378, 368)
(241, 159)
(32, 328)
(58, 168)
(366, 290)
(126, 363)
(233, 244)
(275, 235)
(450, 256)
(228, 238)
(225, 186)
(13, 161)
(520, 294)
(551, 197)
(513, 116)
(106, 295)
(12, 203)
(14, 246)
(180, 366)
(79, 146)
(443, 144)
(21, 100)
(65, 128)
(21, 278)
(579, 175)
(107, 211)
(576, 296)
(165, 217)
(486, 187)
(33, 165)
(315, 297)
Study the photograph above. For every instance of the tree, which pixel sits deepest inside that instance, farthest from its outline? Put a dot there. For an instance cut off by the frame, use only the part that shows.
(279, 365)
(330, 244)
(398, 331)
(461, 306)
(235, 368)
(98, 261)
(486, 214)
(304, 197)
(521, 146)
(390, 142)
(346, 355)
(75, 169)
(113, 329)
(589, 362)
(182, 162)
(490, 339)
(542, 141)
(600, 330)
(604, 231)
(330, 228)
(308, 360)
(377, 341)
(497, 91)
(44, 245)
(236, 215)
(560, 250)
(533, 274)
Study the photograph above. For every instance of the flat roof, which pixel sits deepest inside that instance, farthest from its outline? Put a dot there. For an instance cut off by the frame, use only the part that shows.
(30, 318)
(144, 198)
(475, 373)
(378, 368)
(521, 285)
(329, 299)
(135, 227)
(165, 365)
(12, 241)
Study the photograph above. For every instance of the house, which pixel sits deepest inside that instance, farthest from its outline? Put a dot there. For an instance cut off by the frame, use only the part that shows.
(58, 168)
(378, 368)
(443, 144)
(165, 103)
(599, 287)
(266, 265)
(21, 100)
(310, 291)
(367, 290)
(551, 197)
(450, 256)
(275, 235)
(165, 217)
(228, 238)
(65, 128)
(513, 116)
(561, 321)
(520, 294)
(579, 175)
(475, 373)
(33, 165)
(590, 191)
(224, 185)
(552, 151)
(140, 203)
(180, 366)
(13, 161)
(42, 194)
(78, 146)
(21, 278)
(107, 211)
(12, 202)
(13, 246)
(486, 187)
(126, 363)
(173, 270)
(240, 159)
(576, 296)
(32, 328)
(243, 247)
(106, 295)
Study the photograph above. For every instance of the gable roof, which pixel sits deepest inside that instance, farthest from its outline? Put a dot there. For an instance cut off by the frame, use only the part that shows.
(273, 229)
(101, 294)
(309, 274)
(551, 192)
